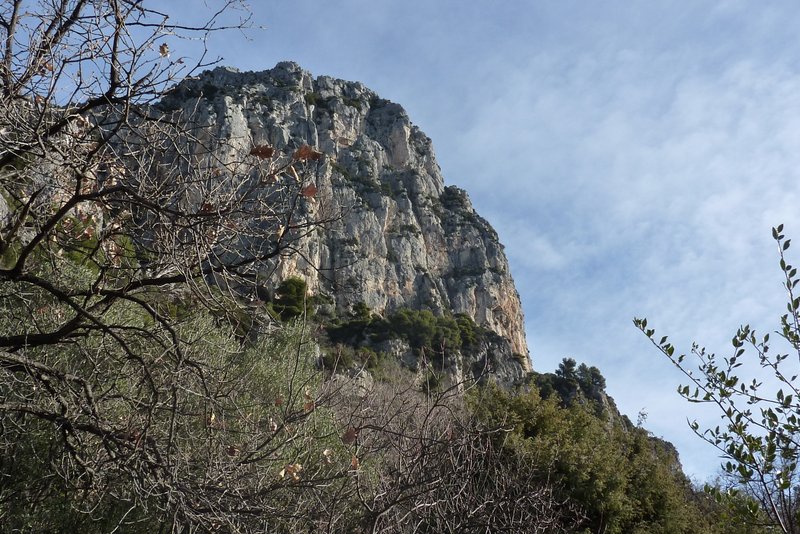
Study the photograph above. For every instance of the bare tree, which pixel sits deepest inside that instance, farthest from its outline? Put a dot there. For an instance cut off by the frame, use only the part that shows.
(128, 240)
(425, 464)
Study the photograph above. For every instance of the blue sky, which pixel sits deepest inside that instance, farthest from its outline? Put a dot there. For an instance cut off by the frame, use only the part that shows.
(633, 156)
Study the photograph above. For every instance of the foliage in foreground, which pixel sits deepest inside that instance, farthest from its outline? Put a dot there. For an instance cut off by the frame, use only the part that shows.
(213, 440)
(759, 404)
(247, 438)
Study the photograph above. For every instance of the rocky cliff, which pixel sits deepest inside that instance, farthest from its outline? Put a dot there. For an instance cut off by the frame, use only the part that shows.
(401, 238)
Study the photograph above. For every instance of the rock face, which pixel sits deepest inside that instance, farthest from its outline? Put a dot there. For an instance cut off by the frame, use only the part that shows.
(402, 238)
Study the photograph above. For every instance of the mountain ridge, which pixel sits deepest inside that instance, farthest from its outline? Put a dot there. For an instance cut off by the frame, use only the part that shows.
(402, 239)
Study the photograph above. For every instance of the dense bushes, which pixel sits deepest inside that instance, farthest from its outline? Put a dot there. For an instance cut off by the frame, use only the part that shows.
(621, 479)
(270, 445)
(424, 331)
(572, 382)
(290, 298)
(267, 446)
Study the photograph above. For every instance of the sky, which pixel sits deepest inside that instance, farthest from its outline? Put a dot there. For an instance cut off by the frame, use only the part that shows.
(632, 155)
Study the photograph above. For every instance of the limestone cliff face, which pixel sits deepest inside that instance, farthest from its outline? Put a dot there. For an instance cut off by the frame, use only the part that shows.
(403, 239)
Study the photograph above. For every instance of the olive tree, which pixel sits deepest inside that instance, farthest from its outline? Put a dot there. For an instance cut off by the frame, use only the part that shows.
(760, 437)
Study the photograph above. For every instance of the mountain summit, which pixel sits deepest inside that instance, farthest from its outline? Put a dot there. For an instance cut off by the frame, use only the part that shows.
(400, 238)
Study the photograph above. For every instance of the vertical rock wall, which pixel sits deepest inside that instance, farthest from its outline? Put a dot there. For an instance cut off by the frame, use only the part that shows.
(401, 238)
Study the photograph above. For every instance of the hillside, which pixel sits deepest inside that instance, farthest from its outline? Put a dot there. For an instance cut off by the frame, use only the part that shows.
(253, 305)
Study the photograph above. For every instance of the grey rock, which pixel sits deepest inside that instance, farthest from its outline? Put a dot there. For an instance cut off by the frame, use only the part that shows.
(402, 238)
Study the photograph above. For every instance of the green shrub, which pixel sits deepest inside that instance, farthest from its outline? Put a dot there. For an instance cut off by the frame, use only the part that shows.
(621, 480)
(470, 332)
(352, 102)
(291, 299)
(314, 99)
(421, 329)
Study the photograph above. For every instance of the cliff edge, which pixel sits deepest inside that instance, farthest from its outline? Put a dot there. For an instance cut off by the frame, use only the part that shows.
(401, 238)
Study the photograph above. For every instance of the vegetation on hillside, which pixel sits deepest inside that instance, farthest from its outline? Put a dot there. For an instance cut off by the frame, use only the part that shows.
(144, 388)
(421, 329)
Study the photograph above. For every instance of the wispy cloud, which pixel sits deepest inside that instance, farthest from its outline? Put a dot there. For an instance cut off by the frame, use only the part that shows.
(657, 182)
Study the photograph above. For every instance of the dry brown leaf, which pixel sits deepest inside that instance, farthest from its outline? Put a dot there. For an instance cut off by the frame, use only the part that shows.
(279, 401)
(354, 463)
(309, 406)
(350, 435)
(292, 470)
(262, 151)
(82, 122)
(306, 152)
(309, 191)
(163, 49)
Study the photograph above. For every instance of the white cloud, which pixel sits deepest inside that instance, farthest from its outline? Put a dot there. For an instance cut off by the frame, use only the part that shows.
(655, 189)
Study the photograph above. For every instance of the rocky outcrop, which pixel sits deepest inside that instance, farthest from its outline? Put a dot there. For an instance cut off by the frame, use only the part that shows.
(401, 238)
